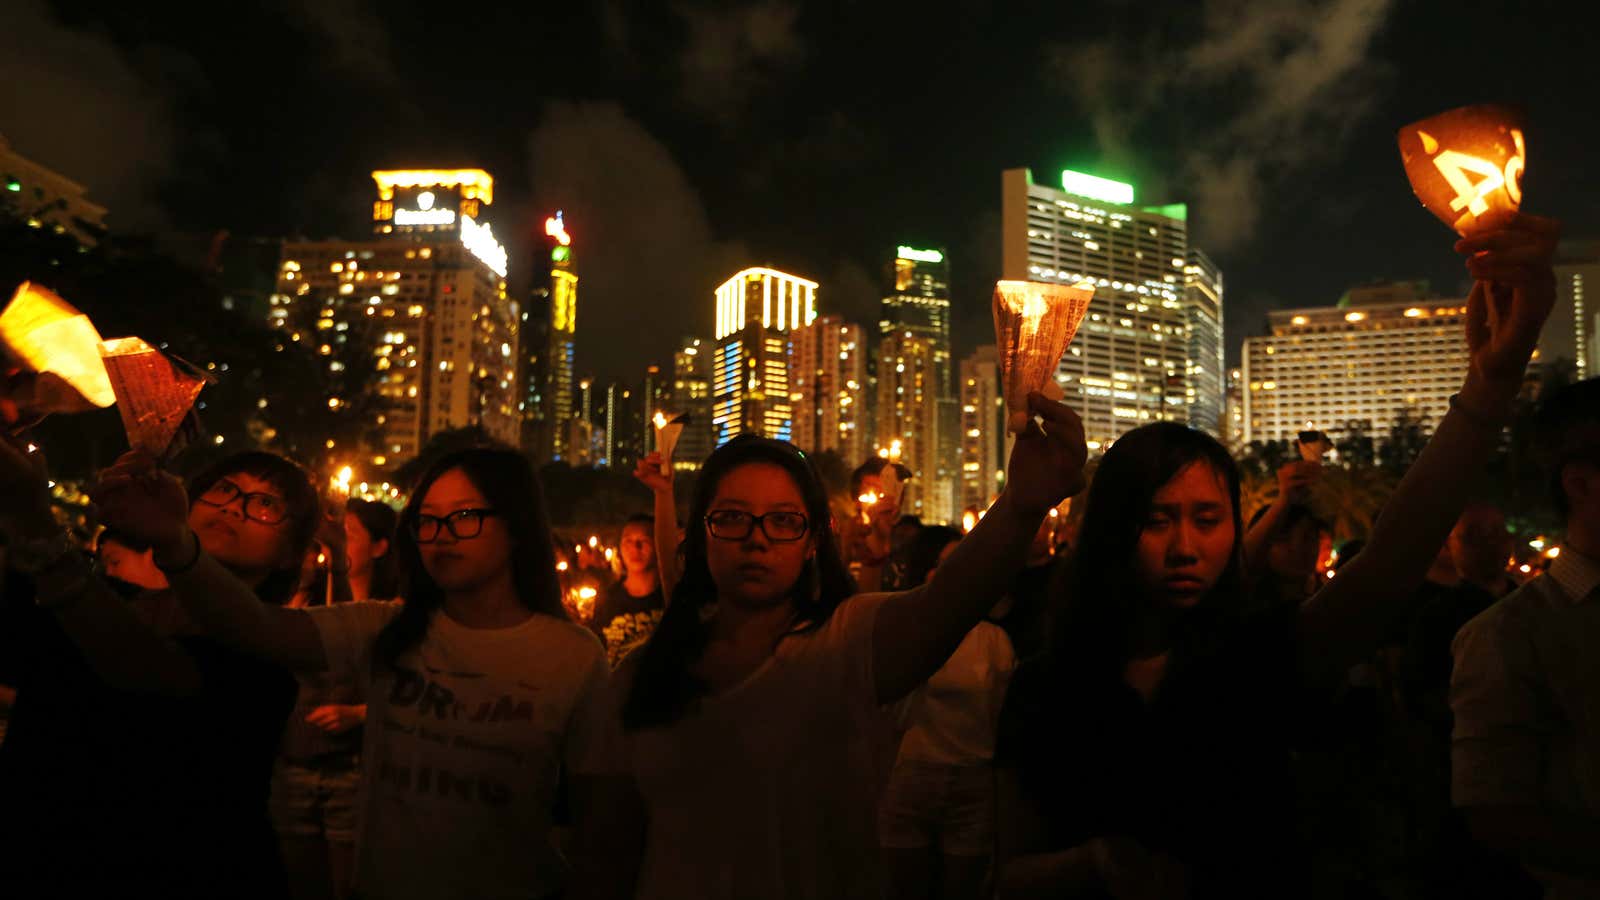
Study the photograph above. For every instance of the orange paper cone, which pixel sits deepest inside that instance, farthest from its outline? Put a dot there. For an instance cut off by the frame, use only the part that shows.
(1466, 165)
(1033, 324)
(44, 334)
(154, 393)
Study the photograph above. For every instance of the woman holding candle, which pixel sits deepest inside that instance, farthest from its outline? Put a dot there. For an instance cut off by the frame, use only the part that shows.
(747, 750)
(480, 694)
(1147, 754)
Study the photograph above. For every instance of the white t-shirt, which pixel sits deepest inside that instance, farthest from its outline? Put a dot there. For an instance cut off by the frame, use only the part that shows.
(953, 716)
(464, 743)
(768, 789)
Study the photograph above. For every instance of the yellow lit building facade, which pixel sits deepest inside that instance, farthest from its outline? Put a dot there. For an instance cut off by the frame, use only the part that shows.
(1137, 357)
(750, 392)
(908, 415)
(691, 393)
(983, 429)
(828, 387)
(446, 351)
(1363, 363)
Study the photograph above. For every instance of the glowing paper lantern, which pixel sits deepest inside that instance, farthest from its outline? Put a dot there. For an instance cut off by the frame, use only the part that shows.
(1033, 324)
(40, 332)
(667, 430)
(155, 392)
(1466, 165)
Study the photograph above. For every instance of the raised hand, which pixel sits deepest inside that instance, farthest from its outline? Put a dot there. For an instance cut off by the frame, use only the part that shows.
(648, 471)
(1514, 294)
(1047, 461)
(1295, 480)
(136, 497)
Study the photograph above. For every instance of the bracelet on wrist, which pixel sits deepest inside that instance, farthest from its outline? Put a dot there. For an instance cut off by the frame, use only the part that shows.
(193, 559)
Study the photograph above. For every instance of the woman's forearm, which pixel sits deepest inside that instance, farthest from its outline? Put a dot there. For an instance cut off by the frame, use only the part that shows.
(227, 609)
(1348, 617)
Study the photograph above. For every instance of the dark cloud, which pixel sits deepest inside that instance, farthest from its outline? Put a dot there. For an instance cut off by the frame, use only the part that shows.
(78, 104)
(648, 260)
(732, 54)
(1254, 93)
(353, 37)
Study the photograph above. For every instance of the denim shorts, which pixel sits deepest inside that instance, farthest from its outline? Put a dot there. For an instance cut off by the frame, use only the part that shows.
(948, 807)
(316, 801)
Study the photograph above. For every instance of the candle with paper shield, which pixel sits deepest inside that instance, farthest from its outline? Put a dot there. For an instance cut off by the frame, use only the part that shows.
(42, 333)
(1466, 165)
(667, 430)
(154, 392)
(1033, 324)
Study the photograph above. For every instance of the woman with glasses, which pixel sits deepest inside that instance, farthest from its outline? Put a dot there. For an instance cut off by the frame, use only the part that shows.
(480, 692)
(752, 744)
(101, 754)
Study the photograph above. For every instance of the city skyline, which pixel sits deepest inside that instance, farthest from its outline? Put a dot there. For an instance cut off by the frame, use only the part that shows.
(632, 137)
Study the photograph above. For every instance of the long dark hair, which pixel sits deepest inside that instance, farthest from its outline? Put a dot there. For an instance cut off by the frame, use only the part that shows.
(663, 687)
(506, 478)
(1099, 587)
(380, 521)
(291, 481)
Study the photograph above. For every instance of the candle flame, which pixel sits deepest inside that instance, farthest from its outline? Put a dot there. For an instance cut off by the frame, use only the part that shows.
(660, 420)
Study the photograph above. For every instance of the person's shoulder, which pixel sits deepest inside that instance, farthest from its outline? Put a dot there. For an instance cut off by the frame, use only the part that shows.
(571, 636)
(1530, 599)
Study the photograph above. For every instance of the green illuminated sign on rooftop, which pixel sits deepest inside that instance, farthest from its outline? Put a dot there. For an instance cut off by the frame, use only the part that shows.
(1096, 188)
(927, 256)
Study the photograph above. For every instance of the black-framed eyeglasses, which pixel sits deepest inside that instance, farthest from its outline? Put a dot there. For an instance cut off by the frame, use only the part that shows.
(463, 525)
(736, 525)
(268, 509)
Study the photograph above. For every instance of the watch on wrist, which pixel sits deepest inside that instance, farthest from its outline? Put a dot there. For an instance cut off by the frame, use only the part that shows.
(30, 557)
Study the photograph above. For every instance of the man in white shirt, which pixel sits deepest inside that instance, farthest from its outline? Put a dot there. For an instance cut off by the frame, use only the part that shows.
(1526, 687)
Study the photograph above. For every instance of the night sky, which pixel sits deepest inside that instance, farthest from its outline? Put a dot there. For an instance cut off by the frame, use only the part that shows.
(686, 140)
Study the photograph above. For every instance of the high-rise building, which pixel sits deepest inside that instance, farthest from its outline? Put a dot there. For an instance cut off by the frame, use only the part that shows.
(1202, 296)
(561, 347)
(983, 429)
(44, 198)
(1233, 410)
(917, 301)
(433, 280)
(756, 310)
(1360, 366)
(1130, 363)
(908, 417)
(1573, 330)
(691, 393)
(624, 427)
(828, 386)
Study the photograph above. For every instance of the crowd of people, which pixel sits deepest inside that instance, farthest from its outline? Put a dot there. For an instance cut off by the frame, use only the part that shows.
(242, 695)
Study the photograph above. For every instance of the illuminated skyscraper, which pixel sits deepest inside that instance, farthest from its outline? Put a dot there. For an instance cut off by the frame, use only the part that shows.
(1202, 296)
(562, 351)
(983, 429)
(1136, 357)
(691, 393)
(908, 414)
(434, 280)
(1573, 330)
(917, 302)
(828, 384)
(756, 310)
(1233, 411)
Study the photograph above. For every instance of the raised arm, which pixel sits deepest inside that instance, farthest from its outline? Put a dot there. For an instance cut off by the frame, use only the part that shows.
(119, 647)
(665, 511)
(916, 631)
(1513, 295)
(1294, 489)
(137, 498)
